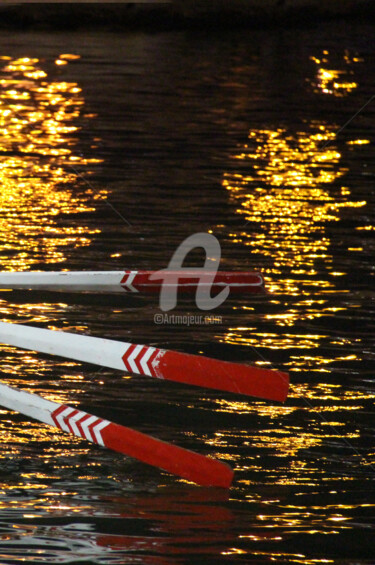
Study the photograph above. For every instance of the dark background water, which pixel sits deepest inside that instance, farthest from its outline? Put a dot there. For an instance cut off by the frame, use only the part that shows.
(109, 161)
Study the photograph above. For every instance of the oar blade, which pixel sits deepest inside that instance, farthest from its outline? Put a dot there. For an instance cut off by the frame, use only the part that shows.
(174, 459)
(181, 462)
(185, 281)
(151, 361)
(224, 375)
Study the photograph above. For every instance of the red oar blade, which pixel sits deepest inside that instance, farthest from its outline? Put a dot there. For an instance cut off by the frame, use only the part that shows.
(223, 375)
(187, 281)
(181, 462)
(172, 458)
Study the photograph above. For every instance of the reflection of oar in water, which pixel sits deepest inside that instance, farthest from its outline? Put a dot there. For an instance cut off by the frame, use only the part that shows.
(178, 509)
(134, 281)
(197, 518)
(171, 523)
(181, 462)
(151, 361)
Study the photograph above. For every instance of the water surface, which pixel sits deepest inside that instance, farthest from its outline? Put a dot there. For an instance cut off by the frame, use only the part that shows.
(113, 149)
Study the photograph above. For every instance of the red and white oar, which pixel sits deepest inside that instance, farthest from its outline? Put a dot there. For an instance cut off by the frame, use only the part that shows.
(172, 458)
(151, 361)
(186, 281)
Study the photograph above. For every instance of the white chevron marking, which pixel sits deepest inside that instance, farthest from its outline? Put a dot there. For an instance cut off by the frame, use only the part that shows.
(126, 346)
(97, 429)
(61, 418)
(145, 359)
(73, 420)
(133, 356)
(85, 427)
(129, 280)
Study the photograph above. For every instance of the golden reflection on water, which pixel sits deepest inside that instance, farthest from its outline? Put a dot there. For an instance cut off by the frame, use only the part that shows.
(39, 115)
(284, 198)
(276, 432)
(333, 81)
(289, 189)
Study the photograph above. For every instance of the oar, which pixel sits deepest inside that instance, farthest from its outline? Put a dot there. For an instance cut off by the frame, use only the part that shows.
(151, 361)
(186, 281)
(181, 462)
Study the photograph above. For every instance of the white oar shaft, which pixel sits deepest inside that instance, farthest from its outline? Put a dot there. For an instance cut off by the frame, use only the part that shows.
(28, 404)
(99, 351)
(94, 281)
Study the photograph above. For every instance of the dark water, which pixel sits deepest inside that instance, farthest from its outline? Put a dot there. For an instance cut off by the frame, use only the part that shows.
(109, 159)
